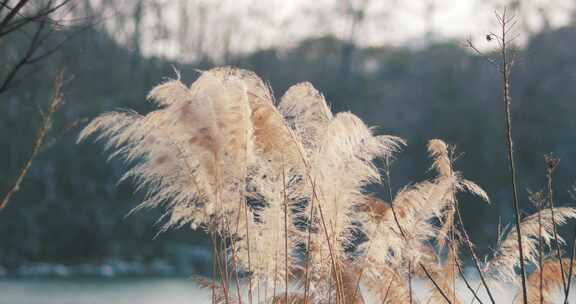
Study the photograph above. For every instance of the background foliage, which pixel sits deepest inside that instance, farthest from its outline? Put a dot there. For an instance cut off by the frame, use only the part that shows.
(70, 209)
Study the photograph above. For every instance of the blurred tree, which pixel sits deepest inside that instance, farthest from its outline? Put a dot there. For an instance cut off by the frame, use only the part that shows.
(355, 11)
(75, 212)
(36, 21)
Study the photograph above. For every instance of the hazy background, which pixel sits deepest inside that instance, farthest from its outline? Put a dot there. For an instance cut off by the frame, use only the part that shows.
(399, 65)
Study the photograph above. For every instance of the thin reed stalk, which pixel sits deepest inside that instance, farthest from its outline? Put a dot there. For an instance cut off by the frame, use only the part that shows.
(389, 187)
(410, 281)
(285, 197)
(219, 267)
(234, 262)
(339, 292)
(387, 166)
(435, 284)
(419, 264)
(571, 268)
(504, 68)
(387, 291)
(308, 250)
(506, 73)
(274, 288)
(213, 285)
(245, 206)
(465, 280)
(551, 164)
(455, 261)
(387, 169)
(475, 259)
(363, 265)
(540, 251)
(226, 280)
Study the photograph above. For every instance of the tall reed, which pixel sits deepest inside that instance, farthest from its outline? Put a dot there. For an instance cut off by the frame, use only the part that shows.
(282, 188)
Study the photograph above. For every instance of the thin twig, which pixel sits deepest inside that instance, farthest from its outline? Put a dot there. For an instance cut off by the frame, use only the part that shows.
(47, 118)
(33, 46)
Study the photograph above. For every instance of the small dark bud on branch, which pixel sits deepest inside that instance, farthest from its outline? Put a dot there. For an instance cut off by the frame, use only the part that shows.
(551, 161)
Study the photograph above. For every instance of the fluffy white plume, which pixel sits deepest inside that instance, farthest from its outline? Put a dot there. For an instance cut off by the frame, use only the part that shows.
(191, 155)
(506, 258)
(306, 110)
(341, 166)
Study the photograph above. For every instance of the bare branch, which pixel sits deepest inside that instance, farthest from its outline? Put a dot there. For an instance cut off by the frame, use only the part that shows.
(507, 60)
(32, 47)
(38, 40)
(55, 103)
(481, 54)
(13, 12)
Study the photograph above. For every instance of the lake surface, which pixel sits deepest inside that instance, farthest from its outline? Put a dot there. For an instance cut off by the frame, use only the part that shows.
(135, 291)
(101, 291)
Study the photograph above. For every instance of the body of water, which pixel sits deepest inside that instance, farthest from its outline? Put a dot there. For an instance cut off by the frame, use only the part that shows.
(101, 291)
(145, 291)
